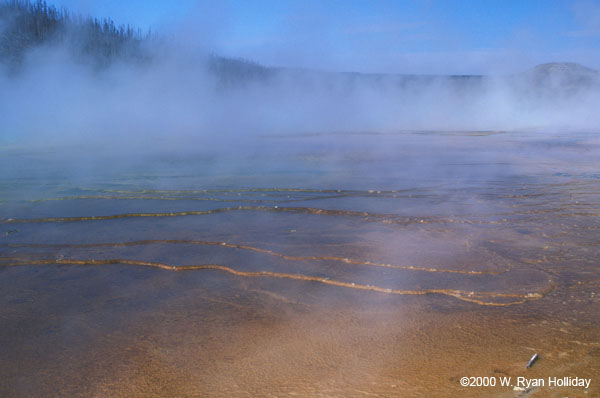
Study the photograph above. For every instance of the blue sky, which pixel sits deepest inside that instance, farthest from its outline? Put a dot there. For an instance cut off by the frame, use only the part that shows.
(424, 36)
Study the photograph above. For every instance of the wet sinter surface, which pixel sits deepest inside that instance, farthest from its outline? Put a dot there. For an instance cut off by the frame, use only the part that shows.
(315, 265)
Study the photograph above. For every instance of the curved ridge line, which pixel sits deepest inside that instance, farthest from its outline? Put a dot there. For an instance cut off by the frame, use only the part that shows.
(181, 196)
(191, 198)
(184, 213)
(302, 190)
(472, 297)
(299, 210)
(172, 198)
(264, 251)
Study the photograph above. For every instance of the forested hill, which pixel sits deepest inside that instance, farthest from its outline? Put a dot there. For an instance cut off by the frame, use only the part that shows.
(26, 25)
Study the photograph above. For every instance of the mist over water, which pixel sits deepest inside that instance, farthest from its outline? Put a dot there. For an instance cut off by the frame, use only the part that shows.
(191, 98)
(177, 223)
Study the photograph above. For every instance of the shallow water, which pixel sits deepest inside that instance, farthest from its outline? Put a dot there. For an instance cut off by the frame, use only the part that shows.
(308, 265)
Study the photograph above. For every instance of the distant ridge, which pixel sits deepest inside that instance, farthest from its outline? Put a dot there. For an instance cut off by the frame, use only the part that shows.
(561, 77)
(565, 68)
(28, 25)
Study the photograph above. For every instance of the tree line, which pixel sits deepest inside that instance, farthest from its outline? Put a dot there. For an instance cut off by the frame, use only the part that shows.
(25, 25)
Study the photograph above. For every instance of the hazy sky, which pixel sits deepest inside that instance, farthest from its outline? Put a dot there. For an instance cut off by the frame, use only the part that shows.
(426, 36)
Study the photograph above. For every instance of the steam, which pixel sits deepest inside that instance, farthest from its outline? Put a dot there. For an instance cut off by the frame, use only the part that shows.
(184, 95)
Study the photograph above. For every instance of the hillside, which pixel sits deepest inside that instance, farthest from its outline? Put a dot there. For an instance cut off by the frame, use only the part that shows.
(564, 75)
(26, 26)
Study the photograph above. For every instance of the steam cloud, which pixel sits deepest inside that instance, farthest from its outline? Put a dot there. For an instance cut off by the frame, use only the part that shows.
(181, 96)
